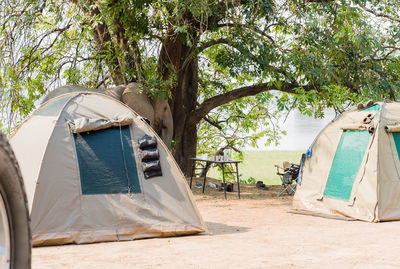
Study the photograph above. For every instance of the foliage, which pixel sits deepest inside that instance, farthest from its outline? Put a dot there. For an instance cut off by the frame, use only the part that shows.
(316, 54)
(251, 180)
(333, 54)
(235, 125)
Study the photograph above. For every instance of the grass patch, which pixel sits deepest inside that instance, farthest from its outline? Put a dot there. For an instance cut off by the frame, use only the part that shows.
(260, 165)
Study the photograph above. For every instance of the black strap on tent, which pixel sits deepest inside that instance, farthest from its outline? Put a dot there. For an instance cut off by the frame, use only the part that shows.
(147, 142)
(150, 157)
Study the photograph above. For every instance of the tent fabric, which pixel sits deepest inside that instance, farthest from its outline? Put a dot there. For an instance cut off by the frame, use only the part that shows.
(89, 186)
(355, 173)
(52, 108)
(357, 126)
(86, 124)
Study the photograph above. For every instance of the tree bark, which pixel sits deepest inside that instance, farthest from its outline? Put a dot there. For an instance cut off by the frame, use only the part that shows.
(183, 96)
(183, 102)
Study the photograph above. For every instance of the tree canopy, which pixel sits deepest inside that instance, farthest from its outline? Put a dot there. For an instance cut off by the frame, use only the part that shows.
(227, 67)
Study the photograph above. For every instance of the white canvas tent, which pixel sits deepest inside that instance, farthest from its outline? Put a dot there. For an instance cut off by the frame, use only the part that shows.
(353, 166)
(94, 171)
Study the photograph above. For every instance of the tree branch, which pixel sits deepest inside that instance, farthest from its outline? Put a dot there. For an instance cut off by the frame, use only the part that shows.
(257, 31)
(393, 49)
(36, 47)
(210, 43)
(102, 36)
(202, 110)
(378, 14)
(212, 122)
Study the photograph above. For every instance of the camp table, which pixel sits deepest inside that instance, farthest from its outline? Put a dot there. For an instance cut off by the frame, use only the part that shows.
(221, 163)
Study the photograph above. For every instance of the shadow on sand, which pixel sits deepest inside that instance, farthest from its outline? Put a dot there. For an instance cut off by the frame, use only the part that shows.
(215, 228)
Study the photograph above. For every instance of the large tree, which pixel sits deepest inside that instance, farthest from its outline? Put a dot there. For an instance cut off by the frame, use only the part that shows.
(216, 61)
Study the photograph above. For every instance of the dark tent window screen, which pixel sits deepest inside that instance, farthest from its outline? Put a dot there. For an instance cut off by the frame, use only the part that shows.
(396, 138)
(347, 161)
(106, 161)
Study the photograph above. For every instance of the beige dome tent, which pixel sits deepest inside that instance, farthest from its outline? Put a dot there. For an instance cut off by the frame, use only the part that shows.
(94, 171)
(352, 169)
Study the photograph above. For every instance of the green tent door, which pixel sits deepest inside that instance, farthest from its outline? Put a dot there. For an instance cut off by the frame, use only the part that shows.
(346, 164)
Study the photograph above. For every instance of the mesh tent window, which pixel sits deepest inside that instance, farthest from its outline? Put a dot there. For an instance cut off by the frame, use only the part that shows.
(346, 163)
(396, 138)
(107, 162)
(376, 107)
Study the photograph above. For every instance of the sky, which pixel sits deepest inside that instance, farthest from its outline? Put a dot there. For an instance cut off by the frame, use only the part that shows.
(301, 131)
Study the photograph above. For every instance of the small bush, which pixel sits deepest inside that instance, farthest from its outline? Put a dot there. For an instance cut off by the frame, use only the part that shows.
(251, 180)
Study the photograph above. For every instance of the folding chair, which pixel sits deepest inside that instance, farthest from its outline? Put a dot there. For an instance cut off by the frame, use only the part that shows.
(288, 175)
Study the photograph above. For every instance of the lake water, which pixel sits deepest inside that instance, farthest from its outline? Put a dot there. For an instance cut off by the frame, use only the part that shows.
(301, 131)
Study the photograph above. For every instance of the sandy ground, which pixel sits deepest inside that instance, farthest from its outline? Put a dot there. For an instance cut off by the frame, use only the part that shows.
(257, 231)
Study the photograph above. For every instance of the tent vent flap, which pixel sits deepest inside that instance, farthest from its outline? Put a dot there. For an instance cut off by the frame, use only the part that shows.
(83, 124)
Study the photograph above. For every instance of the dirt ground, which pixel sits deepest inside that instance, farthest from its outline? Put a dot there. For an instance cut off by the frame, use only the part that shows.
(257, 231)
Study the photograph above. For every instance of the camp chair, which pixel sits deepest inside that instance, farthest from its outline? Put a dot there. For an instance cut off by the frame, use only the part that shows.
(288, 174)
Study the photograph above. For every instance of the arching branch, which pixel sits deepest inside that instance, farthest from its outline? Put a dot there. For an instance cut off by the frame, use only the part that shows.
(210, 43)
(202, 110)
(378, 14)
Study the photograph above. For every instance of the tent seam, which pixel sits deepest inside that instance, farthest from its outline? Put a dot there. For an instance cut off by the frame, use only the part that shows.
(357, 184)
(376, 208)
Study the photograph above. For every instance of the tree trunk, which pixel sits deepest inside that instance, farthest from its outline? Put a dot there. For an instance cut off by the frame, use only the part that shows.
(185, 129)
(187, 148)
(183, 98)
